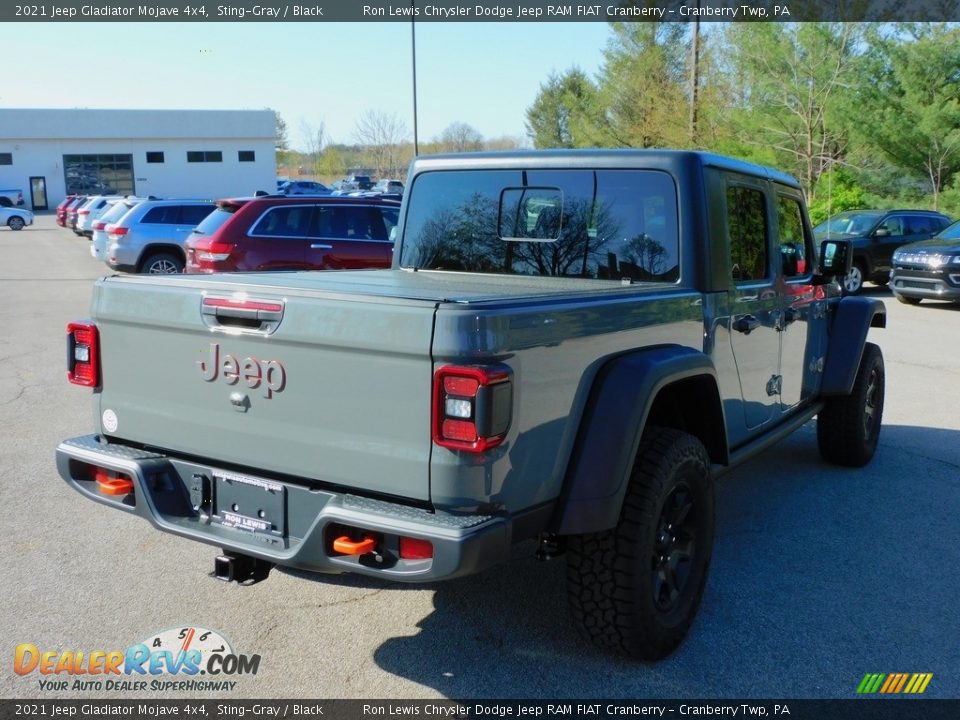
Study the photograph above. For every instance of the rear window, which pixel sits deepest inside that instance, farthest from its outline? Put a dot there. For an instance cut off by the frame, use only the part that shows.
(193, 214)
(212, 222)
(116, 211)
(600, 224)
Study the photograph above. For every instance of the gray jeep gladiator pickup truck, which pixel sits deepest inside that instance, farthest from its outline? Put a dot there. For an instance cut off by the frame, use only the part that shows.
(569, 347)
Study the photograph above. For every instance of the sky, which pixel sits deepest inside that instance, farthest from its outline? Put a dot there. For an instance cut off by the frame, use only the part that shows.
(482, 74)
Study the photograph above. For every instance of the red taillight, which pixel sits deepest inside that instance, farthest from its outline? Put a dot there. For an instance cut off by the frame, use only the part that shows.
(83, 354)
(99, 225)
(213, 250)
(415, 549)
(83, 212)
(118, 231)
(472, 407)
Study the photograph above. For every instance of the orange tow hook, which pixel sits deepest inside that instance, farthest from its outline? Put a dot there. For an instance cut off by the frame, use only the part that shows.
(345, 546)
(110, 484)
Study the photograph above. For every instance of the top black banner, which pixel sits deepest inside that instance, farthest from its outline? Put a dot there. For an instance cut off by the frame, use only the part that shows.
(485, 11)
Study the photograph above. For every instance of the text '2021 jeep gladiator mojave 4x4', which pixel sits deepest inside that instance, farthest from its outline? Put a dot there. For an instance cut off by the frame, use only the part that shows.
(569, 346)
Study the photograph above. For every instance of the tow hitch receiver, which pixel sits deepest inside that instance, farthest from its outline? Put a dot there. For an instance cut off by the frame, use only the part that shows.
(243, 569)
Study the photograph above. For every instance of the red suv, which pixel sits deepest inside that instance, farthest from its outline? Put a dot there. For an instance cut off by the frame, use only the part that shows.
(279, 232)
(62, 209)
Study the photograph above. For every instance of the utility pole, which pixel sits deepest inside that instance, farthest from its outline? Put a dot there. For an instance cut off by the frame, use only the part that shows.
(694, 78)
(413, 51)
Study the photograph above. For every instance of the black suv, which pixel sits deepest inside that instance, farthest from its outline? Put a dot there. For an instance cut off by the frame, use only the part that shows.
(928, 269)
(875, 235)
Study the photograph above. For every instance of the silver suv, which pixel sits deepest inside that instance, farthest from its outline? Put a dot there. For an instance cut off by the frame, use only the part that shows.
(149, 238)
(98, 246)
(93, 208)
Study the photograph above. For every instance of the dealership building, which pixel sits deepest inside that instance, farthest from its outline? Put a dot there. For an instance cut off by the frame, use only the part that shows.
(49, 154)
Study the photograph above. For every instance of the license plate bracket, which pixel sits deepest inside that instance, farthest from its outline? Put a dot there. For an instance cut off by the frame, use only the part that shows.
(249, 503)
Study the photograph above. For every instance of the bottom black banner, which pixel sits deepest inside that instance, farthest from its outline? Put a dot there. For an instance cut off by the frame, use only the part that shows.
(859, 709)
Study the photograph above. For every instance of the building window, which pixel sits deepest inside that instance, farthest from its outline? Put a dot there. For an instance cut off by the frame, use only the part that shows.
(7, 158)
(154, 157)
(246, 155)
(98, 174)
(197, 156)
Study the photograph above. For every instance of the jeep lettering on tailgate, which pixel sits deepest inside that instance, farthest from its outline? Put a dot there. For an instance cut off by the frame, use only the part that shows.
(251, 370)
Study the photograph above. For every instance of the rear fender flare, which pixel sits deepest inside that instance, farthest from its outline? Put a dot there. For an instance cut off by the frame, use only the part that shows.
(621, 398)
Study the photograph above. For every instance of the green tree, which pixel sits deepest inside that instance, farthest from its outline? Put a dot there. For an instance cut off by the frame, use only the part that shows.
(908, 100)
(560, 116)
(332, 166)
(643, 90)
(837, 190)
(789, 82)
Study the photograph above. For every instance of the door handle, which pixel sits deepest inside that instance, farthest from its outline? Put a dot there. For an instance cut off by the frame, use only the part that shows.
(746, 324)
(319, 246)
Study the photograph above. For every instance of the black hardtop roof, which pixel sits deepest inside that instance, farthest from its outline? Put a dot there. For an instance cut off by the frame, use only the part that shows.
(676, 161)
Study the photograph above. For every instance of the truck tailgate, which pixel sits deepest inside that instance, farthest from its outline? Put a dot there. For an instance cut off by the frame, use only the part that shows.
(333, 389)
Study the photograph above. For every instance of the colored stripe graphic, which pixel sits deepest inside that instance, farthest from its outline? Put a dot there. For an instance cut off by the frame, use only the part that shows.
(894, 683)
(903, 681)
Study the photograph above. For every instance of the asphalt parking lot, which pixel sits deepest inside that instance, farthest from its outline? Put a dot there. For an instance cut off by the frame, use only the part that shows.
(819, 575)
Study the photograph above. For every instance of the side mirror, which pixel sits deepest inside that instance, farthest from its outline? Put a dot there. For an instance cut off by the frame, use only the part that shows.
(881, 232)
(836, 259)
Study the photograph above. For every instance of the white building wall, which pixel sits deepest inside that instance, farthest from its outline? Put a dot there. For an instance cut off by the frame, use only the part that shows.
(38, 140)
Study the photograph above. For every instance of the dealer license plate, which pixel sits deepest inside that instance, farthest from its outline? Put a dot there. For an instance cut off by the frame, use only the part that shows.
(249, 503)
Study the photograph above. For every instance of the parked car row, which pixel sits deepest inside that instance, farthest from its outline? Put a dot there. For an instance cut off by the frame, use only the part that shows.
(353, 185)
(875, 235)
(265, 232)
(307, 226)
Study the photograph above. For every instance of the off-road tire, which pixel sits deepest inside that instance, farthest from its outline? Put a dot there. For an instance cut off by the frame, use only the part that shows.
(848, 427)
(15, 223)
(613, 589)
(907, 300)
(162, 264)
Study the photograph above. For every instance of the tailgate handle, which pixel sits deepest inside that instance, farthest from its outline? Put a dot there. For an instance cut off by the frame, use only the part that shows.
(259, 315)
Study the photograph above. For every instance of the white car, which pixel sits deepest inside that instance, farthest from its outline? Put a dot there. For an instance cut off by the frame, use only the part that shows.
(15, 218)
(91, 210)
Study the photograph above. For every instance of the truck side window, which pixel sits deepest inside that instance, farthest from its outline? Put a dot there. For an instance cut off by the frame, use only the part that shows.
(793, 243)
(747, 228)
